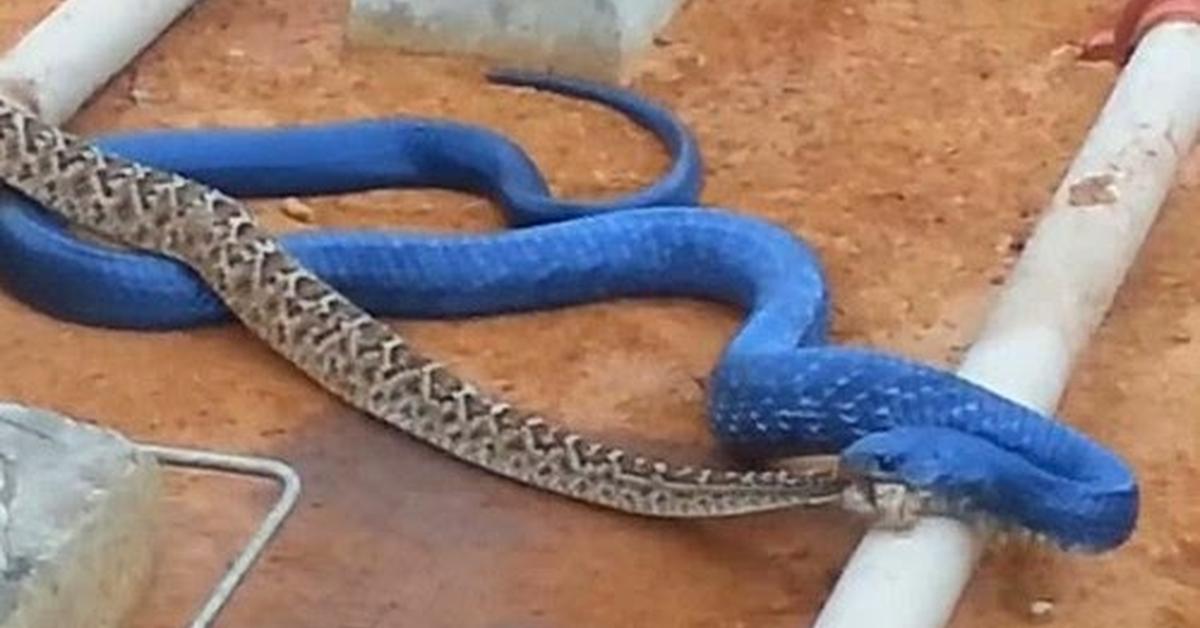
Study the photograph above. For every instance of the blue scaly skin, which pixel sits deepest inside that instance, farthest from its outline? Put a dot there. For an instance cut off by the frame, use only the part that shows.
(779, 390)
(313, 160)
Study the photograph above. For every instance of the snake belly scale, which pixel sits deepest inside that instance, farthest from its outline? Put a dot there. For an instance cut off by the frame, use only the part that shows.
(354, 356)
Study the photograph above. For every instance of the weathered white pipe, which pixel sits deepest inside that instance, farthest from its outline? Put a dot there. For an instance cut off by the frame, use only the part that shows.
(68, 56)
(1057, 295)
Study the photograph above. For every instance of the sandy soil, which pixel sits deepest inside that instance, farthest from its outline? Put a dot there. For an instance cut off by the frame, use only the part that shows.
(913, 143)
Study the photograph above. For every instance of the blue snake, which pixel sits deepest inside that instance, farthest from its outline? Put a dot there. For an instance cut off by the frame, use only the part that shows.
(94, 286)
(779, 390)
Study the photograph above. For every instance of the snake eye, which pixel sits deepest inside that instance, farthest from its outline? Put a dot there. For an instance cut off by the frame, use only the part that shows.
(876, 465)
(886, 462)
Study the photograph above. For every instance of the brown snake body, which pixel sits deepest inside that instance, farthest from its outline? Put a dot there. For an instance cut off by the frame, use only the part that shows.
(354, 356)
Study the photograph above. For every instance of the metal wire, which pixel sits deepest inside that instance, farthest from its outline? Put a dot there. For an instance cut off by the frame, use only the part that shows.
(289, 482)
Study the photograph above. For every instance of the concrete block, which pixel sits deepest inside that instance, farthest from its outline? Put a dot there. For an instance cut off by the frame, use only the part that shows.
(80, 507)
(596, 39)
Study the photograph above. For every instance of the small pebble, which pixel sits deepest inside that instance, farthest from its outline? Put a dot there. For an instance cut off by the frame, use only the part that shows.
(1041, 611)
(140, 96)
(296, 210)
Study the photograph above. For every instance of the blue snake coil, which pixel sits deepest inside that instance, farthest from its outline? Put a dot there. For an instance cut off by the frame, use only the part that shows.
(779, 390)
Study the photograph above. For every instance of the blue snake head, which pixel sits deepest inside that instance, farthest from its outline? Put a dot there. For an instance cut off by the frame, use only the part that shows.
(923, 458)
(963, 476)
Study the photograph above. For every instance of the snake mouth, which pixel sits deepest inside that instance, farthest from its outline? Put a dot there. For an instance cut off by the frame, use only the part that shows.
(887, 502)
(875, 489)
(894, 505)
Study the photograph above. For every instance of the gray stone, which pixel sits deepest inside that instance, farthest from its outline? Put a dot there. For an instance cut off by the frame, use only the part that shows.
(597, 39)
(80, 517)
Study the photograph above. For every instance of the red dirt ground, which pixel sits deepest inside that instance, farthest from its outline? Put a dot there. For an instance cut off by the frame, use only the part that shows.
(913, 143)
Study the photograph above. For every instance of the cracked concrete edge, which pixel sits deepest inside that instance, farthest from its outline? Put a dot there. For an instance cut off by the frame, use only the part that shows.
(597, 39)
(97, 574)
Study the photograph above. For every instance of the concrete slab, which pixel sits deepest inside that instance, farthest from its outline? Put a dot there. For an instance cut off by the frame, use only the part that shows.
(80, 515)
(598, 39)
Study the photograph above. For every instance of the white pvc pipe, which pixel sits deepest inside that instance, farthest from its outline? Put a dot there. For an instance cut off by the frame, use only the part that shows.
(67, 57)
(1058, 293)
